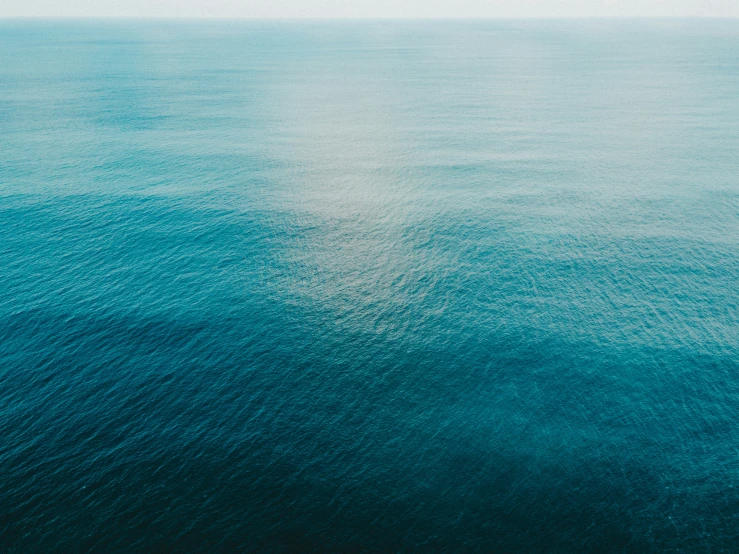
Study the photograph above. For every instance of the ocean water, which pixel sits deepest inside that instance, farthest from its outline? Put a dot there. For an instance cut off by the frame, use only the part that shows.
(369, 286)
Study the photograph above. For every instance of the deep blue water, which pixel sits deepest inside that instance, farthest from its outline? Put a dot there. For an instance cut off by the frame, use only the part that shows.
(371, 286)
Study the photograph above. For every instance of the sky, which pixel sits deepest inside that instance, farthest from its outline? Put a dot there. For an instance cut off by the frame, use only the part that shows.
(369, 8)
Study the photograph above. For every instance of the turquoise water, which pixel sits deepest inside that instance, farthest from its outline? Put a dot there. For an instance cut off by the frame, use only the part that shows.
(372, 286)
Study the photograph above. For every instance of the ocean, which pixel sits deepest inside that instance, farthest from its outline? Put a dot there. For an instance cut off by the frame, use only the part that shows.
(369, 286)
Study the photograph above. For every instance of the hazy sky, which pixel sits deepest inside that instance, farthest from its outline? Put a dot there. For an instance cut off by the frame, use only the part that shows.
(369, 8)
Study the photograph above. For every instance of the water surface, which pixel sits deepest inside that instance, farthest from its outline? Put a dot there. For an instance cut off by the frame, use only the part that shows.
(373, 286)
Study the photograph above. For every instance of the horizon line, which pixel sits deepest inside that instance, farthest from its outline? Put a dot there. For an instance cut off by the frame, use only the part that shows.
(362, 18)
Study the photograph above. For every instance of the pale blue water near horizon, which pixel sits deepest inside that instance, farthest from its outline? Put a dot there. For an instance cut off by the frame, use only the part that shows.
(369, 286)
